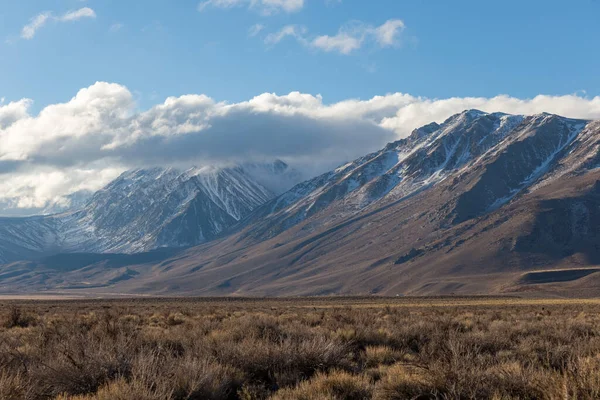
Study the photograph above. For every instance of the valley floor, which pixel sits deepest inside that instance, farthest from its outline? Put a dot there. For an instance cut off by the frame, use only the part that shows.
(300, 348)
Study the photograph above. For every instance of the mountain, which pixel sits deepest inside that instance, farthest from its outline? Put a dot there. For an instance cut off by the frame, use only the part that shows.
(145, 209)
(464, 143)
(483, 203)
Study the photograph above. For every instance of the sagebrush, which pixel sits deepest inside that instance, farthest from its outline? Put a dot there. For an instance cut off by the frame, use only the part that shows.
(383, 349)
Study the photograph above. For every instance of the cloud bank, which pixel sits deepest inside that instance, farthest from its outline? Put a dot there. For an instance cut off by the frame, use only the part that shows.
(85, 142)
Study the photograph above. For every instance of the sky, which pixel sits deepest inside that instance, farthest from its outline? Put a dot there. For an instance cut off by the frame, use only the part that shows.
(91, 88)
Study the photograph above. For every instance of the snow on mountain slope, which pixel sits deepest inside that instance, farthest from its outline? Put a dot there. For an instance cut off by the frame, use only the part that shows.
(145, 209)
(513, 152)
(531, 152)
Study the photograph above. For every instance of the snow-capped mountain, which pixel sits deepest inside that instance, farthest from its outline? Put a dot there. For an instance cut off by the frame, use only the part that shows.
(515, 152)
(470, 206)
(145, 209)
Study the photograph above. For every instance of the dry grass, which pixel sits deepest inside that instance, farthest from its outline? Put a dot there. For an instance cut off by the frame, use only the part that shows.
(308, 349)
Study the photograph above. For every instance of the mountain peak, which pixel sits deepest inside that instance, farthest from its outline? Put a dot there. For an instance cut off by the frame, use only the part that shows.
(466, 115)
(279, 165)
(425, 130)
(474, 113)
(549, 118)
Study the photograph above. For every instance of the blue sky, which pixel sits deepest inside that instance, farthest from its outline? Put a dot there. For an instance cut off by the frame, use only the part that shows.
(91, 88)
(160, 48)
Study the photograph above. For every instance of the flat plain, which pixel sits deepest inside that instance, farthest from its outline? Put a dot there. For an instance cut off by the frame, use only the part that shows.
(300, 348)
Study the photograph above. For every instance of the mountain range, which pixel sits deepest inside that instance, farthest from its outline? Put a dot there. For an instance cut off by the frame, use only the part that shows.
(145, 209)
(483, 203)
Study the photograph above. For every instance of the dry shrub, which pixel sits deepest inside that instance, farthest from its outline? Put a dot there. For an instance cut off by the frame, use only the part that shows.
(175, 319)
(337, 385)
(16, 318)
(118, 389)
(584, 378)
(380, 355)
(204, 380)
(406, 382)
(80, 365)
(13, 386)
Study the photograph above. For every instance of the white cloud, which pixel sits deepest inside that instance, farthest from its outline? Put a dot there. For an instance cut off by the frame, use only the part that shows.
(86, 141)
(387, 34)
(350, 37)
(342, 43)
(37, 22)
(255, 29)
(295, 31)
(84, 12)
(29, 30)
(43, 187)
(265, 7)
(13, 111)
